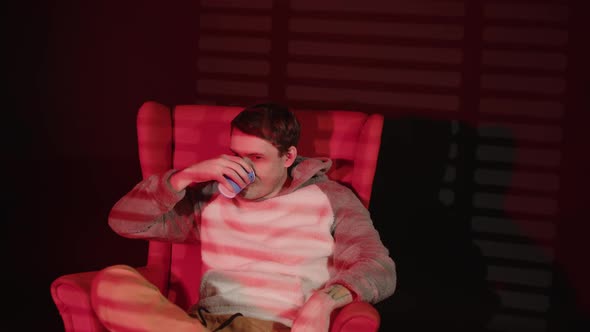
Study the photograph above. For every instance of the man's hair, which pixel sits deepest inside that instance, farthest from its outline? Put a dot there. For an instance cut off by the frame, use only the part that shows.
(272, 122)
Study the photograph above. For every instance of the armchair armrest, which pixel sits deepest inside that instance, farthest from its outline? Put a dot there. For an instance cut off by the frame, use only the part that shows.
(356, 317)
(71, 295)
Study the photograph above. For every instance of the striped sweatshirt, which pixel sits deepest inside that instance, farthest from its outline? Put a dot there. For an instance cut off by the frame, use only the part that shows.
(264, 259)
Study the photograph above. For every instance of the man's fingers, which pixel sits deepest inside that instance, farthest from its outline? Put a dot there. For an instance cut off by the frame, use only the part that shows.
(243, 162)
(237, 169)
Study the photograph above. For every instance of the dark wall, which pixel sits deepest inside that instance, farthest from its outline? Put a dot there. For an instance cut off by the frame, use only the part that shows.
(78, 71)
(77, 74)
(572, 294)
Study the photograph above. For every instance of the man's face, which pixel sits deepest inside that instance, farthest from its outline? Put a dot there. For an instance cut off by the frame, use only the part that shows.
(270, 168)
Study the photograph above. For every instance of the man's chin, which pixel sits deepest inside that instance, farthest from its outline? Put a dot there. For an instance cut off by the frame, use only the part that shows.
(249, 195)
(245, 194)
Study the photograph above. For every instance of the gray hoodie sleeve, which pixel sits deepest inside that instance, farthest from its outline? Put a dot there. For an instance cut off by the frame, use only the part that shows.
(361, 261)
(154, 210)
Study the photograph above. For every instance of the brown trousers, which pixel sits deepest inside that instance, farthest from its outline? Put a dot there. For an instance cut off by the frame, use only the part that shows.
(241, 324)
(124, 301)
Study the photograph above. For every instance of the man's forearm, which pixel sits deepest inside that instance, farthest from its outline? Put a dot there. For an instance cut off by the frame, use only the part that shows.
(149, 203)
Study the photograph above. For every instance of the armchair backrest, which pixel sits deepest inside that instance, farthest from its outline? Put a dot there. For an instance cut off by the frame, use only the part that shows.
(179, 136)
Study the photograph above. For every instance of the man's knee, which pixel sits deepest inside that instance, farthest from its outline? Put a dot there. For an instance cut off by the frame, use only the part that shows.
(114, 273)
(109, 281)
(118, 269)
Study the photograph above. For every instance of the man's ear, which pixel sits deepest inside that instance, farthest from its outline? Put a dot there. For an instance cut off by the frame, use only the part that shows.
(290, 155)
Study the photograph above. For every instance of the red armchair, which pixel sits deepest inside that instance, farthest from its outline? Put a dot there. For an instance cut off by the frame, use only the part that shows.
(178, 137)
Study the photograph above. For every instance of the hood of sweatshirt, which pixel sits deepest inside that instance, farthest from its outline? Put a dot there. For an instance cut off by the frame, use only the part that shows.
(306, 171)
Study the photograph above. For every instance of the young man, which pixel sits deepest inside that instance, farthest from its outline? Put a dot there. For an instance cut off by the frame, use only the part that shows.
(281, 255)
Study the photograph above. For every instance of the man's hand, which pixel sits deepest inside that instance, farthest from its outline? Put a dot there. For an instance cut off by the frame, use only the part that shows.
(234, 167)
(314, 316)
